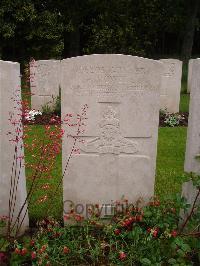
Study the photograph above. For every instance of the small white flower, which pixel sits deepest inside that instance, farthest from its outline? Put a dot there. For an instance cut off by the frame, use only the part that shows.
(30, 115)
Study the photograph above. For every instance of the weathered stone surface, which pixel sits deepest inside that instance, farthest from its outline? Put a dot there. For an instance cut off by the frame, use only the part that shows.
(189, 79)
(45, 80)
(10, 97)
(171, 85)
(118, 156)
(189, 192)
(192, 162)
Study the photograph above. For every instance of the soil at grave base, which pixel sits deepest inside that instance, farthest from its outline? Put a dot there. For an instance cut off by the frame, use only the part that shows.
(44, 119)
(182, 123)
(53, 119)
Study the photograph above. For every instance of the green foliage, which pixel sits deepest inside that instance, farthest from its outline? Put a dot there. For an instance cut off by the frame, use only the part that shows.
(49, 29)
(184, 78)
(138, 236)
(173, 119)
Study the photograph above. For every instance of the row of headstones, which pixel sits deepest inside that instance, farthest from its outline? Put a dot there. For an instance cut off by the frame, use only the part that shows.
(117, 150)
(46, 80)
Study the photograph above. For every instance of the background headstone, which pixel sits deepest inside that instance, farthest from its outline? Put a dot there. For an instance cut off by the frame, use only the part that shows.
(189, 79)
(45, 80)
(118, 156)
(171, 85)
(10, 103)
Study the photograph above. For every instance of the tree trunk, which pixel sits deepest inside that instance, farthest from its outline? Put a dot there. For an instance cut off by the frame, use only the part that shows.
(193, 6)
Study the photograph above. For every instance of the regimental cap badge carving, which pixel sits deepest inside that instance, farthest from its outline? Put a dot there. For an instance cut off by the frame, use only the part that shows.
(109, 118)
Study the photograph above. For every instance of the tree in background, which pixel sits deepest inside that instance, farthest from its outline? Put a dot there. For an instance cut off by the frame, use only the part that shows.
(192, 8)
(46, 29)
(28, 29)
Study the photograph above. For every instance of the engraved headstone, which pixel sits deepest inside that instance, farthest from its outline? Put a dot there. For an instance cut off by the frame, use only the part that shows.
(118, 147)
(44, 82)
(171, 85)
(11, 147)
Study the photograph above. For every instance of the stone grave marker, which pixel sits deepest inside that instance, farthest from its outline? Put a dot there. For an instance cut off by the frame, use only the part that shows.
(171, 85)
(192, 155)
(10, 100)
(189, 79)
(44, 82)
(118, 153)
(192, 164)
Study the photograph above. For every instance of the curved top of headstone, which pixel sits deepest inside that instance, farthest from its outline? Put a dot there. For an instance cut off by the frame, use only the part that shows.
(116, 68)
(170, 59)
(8, 62)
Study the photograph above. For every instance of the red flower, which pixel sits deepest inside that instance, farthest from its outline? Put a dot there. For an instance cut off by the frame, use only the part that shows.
(24, 251)
(155, 232)
(17, 251)
(44, 248)
(156, 203)
(33, 255)
(152, 231)
(66, 250)
(66, 217)
(78, 218)
(174, 233)
(139, 218)
(122, 255)
(32, 242)
(117, 232)
(149, 230)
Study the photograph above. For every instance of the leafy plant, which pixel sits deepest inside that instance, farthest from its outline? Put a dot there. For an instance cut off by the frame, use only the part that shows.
(171, 119)
(135, 236)
(53, 107)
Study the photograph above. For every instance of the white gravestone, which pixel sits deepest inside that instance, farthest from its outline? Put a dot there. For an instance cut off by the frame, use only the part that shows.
(189, 79)
(192, 155)
(118, 156)
(44, 82)
(171, 85)
(192, 163)
(10, 127)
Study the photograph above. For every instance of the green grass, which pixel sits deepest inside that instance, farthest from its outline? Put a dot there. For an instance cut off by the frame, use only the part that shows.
(170, 160)
(185, 98)
(38, 210)
(169, 172)
(184, 103)
(184, 78)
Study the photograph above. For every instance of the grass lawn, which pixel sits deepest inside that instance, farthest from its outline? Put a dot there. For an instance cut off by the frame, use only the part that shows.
(184, 78)
(184, 103)
(37, 209)
(169, 173)
(185, 98)
(170, 160)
